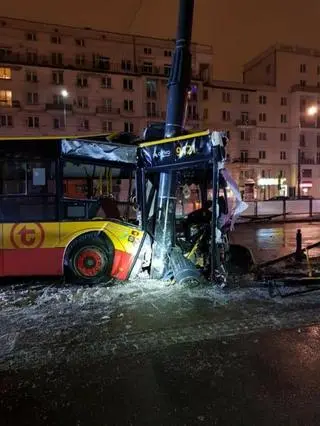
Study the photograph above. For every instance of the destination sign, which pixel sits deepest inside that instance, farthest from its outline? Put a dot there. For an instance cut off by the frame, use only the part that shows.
(195, 147)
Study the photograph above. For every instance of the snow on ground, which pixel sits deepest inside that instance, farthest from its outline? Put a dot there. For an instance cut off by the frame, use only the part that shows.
(43, 323)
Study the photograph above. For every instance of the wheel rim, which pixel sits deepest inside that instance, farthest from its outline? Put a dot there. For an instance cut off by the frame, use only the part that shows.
(90, 262)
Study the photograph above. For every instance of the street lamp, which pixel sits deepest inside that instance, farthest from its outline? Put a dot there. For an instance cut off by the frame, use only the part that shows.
(64, 94)
(312, 110)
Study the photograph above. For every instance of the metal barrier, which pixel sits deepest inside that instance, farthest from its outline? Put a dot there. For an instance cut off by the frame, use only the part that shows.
(286, 208)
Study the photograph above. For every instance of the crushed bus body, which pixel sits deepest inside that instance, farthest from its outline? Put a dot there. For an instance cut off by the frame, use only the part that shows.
(48, 233)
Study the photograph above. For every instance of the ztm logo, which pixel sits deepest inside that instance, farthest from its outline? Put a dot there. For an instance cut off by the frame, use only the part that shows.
(27, 236)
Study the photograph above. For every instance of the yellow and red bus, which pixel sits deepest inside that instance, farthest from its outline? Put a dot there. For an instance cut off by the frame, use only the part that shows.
(46, 233)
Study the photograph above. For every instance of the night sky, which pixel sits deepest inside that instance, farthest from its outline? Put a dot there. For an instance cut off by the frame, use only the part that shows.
(237, 29)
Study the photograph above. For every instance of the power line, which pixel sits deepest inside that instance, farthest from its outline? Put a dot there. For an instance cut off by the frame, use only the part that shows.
(136, 13)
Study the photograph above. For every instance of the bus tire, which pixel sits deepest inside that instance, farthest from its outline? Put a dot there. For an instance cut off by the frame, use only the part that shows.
(89, 260)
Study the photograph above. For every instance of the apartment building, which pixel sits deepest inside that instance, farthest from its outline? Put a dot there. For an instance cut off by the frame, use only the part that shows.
(293, 72)
(58, 79)
(55, 79)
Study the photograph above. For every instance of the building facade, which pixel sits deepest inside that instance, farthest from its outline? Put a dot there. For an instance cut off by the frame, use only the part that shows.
(56, 79)
(293, 72)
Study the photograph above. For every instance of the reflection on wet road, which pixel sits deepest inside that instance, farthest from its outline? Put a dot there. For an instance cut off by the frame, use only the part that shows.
(269, 241)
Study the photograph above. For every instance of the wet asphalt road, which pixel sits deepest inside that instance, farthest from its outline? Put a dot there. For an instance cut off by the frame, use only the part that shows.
(260, 379)
(269, 241)
(144, 354)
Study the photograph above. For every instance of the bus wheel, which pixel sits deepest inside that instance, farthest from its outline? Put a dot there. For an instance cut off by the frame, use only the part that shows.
(90, 261)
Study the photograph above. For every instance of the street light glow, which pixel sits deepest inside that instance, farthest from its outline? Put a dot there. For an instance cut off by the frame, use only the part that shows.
(312, 110)
(64, 93)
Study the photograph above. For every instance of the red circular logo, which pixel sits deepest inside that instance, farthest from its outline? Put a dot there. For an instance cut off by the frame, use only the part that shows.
(27, 235)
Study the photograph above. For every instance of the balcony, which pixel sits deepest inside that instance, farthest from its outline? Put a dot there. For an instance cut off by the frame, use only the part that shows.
(8, 104)
(16, 58)
(244, 160)
(304, 161)
(310, 124)
(246, 123)
(107, 110)
(193, 117)
(154, 114)
(305, 89)
(58, 107)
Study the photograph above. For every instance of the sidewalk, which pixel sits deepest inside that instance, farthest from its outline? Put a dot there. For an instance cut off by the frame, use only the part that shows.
(303, 218)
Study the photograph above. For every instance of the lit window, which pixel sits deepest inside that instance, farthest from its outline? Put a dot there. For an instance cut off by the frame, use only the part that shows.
(5, 74)
(5, 97)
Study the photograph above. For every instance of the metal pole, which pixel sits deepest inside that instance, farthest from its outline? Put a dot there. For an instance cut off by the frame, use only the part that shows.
(65, 114)
(179, 82)
(299, 173)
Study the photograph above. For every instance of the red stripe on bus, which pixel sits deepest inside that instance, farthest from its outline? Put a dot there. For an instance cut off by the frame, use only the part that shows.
(37, 261)
(121, 264)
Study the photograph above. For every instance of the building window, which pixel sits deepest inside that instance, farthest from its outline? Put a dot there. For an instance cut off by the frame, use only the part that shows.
(283, 118)
(205, 95)
(303, 104)
(303, 83)
(262, 155)
(318, 158)
(151, 86)
(80, 59)
(167, 70)
(5, 98)
(205, 113)
(31, 36)
(226, 116)
(302, 140)
(151, 109)
(33, 122)
(58, 123)
(262, 116)
(127, 84)
(244, 156)
(147, 67)
(268, 69)
(128, 105)
(107, 103)
(32, 57)
(128, 127)
(226, 97)
(6, 121)
(244, 98)
(283, 101)
(58, 100)
(307, 173)
(263, 173)
(82, 82)
(107, 126)
(80, 42)
(55, 39)
(147, 51)
(283, 155)
(303, 68)
(56, 58)
(283, 137)
(244, 136)
(262, 136)
(106, 83)
(84, 124)
(31, 76)
(126, 65)
(262, 100)
(168, 53)
(82, 102)
(318, 141)
(32, 98)
(5, 73)
(57, 77)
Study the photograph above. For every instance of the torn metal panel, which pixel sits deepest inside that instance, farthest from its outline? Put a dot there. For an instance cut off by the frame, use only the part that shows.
(85, 150)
